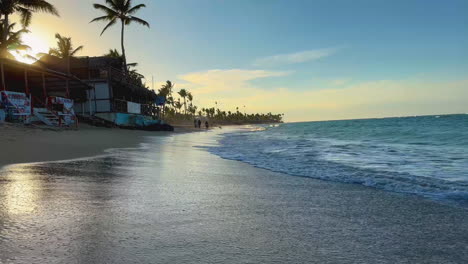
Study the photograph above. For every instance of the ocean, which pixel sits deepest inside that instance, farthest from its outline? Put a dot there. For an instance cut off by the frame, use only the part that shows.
(422, 155)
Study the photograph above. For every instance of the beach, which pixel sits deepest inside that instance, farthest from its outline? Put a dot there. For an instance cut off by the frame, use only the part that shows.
(35, 144)
(171, 201)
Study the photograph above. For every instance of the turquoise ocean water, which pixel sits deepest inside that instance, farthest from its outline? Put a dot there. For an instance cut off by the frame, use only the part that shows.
(425, 155)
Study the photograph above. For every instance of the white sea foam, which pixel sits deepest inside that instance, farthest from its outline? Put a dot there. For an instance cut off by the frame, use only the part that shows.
(409, 155)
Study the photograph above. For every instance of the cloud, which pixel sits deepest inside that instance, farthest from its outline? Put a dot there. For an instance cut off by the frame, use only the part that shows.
(224, 80)
(293, 58)
(382, 98)
(363, 100)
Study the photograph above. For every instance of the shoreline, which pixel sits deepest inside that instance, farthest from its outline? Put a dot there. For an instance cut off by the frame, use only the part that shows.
(35, 144)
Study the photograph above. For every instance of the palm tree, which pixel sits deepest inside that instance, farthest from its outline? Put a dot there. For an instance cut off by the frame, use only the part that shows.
(25, 9)
(166, 91)
(178, 105)
(64, 48)
(183, 94)
(190, 96)
(122, 10)
(13, 42)
(114, 53)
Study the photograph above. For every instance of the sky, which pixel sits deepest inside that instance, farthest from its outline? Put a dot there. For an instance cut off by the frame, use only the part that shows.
(309, 59)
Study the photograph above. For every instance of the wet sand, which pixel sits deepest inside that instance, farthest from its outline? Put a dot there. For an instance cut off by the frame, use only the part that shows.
(172, 202)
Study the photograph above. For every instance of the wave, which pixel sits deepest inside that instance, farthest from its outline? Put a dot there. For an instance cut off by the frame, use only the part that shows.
(423, 169)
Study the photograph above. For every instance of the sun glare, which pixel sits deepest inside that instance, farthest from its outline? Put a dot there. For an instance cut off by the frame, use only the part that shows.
(37, 44)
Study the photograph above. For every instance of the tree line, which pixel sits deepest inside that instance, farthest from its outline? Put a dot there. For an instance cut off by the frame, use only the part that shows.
(179, 106)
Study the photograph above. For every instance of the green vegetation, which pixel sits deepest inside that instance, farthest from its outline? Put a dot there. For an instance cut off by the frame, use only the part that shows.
(172, 110)
(10, 41)
(64, 48)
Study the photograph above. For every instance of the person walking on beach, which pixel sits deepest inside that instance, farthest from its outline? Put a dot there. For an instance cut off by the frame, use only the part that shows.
(199, 123)
(207, 125)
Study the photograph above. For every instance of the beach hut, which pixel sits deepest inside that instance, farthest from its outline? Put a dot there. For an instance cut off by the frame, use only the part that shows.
(116, 96)
(32, 93)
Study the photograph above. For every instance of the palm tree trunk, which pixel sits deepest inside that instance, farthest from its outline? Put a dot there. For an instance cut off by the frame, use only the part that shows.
(122, 37)
(185, 106)
(6, 23)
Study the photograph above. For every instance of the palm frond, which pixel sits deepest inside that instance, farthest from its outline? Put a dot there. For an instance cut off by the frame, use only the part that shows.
(54, 52)
(20, 47)
(106, 10)
(80, 48)
(102, 18)
(137, 20)
(111, 23)
(25, 16)
(134, 9)
(113, 4)
(39, 6)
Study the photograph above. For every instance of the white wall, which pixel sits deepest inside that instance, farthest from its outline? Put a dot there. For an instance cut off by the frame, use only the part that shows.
(98, 100)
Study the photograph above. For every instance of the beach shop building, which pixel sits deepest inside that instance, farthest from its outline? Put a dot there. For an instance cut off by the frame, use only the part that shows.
(115, 96)
(33, 93)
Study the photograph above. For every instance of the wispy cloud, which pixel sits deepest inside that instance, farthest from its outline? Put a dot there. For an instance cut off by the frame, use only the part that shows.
(232, 88)
(293, 58)
(225, 80)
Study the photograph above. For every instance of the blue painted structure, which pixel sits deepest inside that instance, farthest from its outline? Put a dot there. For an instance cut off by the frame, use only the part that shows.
(130, 120)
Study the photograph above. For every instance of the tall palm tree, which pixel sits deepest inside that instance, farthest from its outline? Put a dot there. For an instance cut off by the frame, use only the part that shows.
(13, 42)
(64, 48)
(122, 10)
(183, 93)
(190, 97)
(25, 9)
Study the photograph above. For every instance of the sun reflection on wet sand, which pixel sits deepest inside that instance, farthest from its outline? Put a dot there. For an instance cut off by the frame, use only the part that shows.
(21, 190)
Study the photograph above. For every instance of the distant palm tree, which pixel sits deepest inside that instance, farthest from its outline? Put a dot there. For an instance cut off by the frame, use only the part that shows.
(122, 10)
(190, 97)
(183, 93)
(13, 42)
(64, 48)
(178, 105)
(166, 91)
(25, 9)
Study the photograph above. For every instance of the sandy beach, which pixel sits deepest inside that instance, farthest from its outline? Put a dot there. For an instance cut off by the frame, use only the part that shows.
(35, 144)
(171, 201)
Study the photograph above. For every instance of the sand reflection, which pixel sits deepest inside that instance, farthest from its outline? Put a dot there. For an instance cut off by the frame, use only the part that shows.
(21, 189)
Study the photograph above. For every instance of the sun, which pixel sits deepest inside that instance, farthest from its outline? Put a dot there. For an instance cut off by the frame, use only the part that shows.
(37, 44)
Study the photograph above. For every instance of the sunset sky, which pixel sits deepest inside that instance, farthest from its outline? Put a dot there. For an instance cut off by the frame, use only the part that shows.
(311, 60)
